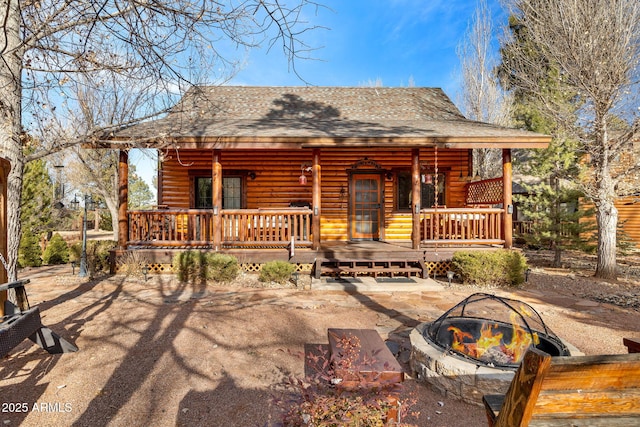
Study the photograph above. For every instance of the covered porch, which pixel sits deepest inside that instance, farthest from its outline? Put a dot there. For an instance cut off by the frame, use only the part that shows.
(477, 220)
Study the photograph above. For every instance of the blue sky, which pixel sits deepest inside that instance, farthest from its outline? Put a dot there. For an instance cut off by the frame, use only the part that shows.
(390, 40)
(395, 41)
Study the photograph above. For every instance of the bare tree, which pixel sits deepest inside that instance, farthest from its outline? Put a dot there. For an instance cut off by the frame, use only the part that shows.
(103, 100)
(482, 98)
(595, 47)
(45, 46)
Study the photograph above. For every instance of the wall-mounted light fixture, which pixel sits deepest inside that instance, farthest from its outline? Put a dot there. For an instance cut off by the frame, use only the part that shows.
(251, 175)
(305, 167)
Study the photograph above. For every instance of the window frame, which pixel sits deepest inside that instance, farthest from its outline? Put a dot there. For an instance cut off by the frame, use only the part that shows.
(194, 175)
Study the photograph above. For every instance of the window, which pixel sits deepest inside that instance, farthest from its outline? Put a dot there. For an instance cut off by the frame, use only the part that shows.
(231, 192)
(428, 190)
(203, 193)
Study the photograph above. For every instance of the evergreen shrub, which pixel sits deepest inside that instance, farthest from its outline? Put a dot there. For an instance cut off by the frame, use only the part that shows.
(29, 252)
(276, 271)
(189, 266)
(200, 267)
(57, 251)
(221, 267)
(502, 267)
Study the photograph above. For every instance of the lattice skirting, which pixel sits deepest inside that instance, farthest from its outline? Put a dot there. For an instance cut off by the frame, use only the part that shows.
(435, 268)
(438, 268)
(161, 268)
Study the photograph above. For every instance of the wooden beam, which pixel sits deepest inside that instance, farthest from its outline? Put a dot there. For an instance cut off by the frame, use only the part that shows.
(216, 198)
(316, 198)
(507, 176)
(123, 199)
(252, 142)
(159, 179)
(415, 198)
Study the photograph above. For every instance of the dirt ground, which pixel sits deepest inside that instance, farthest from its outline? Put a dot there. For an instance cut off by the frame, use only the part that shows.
(162, 353)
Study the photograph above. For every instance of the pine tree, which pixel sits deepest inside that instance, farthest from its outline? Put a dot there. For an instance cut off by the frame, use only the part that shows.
(140, 196)
(558, 220)
(36, 212)
(37, 188)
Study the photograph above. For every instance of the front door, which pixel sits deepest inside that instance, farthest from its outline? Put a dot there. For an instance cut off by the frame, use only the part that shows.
(365, 204)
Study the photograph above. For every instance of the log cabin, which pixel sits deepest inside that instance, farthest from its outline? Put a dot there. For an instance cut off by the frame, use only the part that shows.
(318, 173)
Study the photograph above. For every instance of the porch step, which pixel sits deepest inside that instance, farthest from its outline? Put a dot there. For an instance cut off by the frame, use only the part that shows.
(368, 267)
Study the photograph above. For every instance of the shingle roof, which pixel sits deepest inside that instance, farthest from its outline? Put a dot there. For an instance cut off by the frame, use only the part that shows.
(318, 116)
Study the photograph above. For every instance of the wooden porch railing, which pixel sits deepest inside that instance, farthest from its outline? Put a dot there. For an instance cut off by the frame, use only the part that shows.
(462, 226)
(522, 227)
(266, 227)
(528, 227)
(171, 227)
(240, 227)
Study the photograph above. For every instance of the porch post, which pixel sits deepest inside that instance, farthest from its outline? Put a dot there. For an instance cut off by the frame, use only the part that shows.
(123, 199)
(415, 198)
(216, 198)
(316, 199)
(507, 178)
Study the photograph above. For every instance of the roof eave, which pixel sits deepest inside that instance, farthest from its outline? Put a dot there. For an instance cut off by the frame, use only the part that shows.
(288, 142)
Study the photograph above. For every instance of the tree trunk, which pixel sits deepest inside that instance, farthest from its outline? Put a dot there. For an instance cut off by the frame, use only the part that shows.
(607, 218)
(556, 228)
(606, 212)
(11, 125)
(113, 209)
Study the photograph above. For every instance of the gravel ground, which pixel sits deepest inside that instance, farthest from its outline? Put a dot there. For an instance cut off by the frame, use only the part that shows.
(166, 354)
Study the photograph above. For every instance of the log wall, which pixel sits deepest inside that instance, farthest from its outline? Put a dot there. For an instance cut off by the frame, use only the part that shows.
(276, 182)
(629, 217)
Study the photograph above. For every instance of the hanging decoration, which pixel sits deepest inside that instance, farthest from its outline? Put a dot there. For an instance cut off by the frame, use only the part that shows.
(305, 167)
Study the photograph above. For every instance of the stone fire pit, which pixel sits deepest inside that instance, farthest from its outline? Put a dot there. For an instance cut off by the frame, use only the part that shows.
(475, 347)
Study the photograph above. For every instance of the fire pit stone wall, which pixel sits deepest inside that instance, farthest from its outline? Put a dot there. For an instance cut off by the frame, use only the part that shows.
(455, 376)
